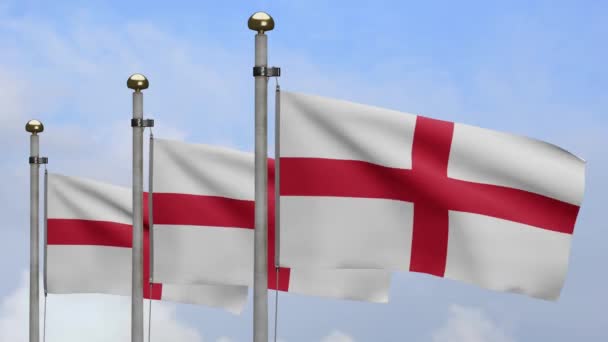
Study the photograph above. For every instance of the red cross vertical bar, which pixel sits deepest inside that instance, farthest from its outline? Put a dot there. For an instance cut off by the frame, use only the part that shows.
(430, 155)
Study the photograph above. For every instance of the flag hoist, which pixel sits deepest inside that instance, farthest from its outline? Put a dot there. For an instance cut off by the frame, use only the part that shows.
(138, 82)
(261, 22)
(34, 127)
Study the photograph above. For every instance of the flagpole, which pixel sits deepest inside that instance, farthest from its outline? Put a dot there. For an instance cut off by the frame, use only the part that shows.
(137, 82)
(34, 127)
(261, 22)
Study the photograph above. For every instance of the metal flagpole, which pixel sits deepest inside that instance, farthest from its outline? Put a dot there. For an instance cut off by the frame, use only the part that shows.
(261, 22)
(138, 82)
(34, 127)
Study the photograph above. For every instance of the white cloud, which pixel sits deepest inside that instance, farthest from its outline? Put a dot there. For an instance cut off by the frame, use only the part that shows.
(224, 339)
(80, 77)
(470, 325)
(76, 318)
(337, 336)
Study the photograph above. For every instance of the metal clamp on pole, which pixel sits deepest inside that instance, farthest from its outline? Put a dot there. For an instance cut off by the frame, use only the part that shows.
(266, 71)
(39, 160)
(142, 122)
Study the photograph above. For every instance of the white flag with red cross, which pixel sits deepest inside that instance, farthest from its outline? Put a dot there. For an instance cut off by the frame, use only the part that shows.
(204, 227)
(88, 247)
(366, 187)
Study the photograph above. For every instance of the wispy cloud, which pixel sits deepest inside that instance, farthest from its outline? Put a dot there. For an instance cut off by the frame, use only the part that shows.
(466, 324)
(76, 318)
(337, 336)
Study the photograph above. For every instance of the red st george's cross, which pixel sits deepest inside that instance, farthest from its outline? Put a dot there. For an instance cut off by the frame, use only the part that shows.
(429, 188)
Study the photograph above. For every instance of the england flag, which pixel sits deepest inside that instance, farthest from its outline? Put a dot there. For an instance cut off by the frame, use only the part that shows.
(366, 187)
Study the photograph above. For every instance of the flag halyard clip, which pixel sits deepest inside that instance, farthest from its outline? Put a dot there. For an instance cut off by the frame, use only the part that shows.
(266, 71)
(39, 160)
(142, 122)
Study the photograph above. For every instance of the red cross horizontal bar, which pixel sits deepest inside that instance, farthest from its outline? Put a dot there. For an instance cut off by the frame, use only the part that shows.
(350, 178)
(102, 233)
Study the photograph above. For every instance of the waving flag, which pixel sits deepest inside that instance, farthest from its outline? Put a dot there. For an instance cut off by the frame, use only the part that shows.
(88, 247)
(365, 187)
(204, 221)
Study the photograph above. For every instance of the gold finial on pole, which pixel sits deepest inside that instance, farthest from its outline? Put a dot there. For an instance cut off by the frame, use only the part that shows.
(34, 127)
(137, 82)
(260, 22)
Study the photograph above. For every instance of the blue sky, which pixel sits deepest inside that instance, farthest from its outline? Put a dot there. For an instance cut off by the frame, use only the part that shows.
(536, 68)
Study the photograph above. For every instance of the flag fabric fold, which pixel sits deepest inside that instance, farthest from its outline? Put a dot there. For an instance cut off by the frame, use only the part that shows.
(89, 239)
(204, 225)
(366, 187)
